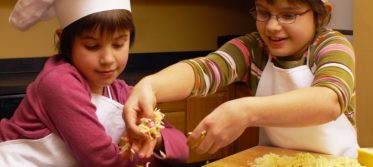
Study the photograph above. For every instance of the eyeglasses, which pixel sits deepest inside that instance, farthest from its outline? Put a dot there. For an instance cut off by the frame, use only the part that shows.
(283, 18)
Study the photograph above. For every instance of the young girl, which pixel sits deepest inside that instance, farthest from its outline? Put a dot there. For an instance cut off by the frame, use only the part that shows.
(72, 112)
(302, 75)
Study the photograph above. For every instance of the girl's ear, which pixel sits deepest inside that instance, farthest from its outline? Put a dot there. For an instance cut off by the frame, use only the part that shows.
(328, 7)
(59, 32)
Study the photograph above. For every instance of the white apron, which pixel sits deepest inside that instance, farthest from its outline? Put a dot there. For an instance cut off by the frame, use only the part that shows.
(109, 113)
(336, 137)
(51, 151)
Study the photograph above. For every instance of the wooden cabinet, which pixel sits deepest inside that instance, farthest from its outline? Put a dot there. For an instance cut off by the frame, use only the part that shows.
(186, 114)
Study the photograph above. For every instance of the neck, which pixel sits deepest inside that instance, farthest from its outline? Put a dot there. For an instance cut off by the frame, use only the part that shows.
(97, 90)
(295, 57)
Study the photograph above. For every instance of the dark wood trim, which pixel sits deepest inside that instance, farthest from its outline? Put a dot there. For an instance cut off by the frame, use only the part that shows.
(17, 73)
(346, 32)
(21, 65)
(142, 61)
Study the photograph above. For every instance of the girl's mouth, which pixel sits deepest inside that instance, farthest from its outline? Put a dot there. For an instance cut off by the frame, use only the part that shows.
(276, 42)
(106, 73)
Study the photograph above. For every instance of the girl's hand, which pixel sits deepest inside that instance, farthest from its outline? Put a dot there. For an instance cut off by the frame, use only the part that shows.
(139, 104)
(221, 127)
(143, 148)
(148, 147)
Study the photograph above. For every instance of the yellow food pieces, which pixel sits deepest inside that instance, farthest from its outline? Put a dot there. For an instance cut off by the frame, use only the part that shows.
(302, 160)
(151, 127)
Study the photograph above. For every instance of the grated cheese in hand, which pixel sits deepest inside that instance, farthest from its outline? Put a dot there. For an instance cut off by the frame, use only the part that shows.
(151, 127)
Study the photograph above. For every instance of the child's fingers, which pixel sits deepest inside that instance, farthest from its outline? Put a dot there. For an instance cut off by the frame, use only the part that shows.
(131, 118)
(194, 142)
(125, 147)
(125, 154)
(204, 143)
(197, 136)
(147, 148)
(147, 109)
(136, 145)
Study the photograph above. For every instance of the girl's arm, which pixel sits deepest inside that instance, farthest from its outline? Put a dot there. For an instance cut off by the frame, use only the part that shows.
(68, 112)
(174, 145)
(302, 107)
(172, 83)
(298, 108)
(192, 77)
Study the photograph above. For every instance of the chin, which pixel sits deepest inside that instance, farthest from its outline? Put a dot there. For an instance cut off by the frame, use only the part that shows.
(279, 53)
(106, 83)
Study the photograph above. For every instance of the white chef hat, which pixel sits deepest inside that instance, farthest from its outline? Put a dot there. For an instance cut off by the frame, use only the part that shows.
(26, 13)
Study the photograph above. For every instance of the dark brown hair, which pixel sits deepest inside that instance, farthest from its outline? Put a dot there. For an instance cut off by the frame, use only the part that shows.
(106, 22)
(322, 16)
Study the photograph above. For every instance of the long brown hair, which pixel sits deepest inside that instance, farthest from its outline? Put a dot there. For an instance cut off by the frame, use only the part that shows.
(107, 22)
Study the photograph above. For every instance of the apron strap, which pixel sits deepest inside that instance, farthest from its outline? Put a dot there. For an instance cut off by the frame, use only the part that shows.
(109, 92)
(308, 56)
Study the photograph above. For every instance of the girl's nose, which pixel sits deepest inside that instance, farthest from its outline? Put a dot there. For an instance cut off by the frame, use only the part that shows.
(107, 56)
(273, 24)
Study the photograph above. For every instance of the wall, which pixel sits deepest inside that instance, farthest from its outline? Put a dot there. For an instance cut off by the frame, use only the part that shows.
(357, 16)
(363, 36)
(343, 16)
(162, 26)
(34, 43)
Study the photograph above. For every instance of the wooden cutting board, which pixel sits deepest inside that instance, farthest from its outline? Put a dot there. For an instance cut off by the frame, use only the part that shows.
(245, 157)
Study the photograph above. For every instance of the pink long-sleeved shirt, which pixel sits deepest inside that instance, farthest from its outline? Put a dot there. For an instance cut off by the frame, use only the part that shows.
(59, 102)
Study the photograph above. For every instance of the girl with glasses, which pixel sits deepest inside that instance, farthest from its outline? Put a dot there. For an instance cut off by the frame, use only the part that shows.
(301, 73)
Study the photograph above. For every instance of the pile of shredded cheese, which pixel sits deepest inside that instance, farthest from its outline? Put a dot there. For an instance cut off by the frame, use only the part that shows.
(151, 127)
(302, 160)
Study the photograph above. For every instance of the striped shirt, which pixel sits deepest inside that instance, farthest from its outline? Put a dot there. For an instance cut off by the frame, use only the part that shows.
(331, 59)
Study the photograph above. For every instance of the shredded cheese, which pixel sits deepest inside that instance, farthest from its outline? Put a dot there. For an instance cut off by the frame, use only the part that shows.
(151, 127)
(302, 160)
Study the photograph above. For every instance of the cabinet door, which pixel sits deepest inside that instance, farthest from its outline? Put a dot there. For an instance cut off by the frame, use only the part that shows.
(174, 113)
(250, 137)
(197, 109)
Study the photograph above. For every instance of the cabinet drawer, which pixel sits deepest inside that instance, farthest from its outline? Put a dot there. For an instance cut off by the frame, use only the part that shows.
(177, 119)
(174, 113)
(176, 106)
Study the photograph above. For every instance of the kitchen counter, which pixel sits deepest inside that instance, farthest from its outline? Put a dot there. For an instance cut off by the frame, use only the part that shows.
(244, 158)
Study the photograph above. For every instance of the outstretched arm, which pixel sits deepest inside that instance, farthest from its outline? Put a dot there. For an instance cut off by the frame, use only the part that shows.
(301, 107)
(172, 83)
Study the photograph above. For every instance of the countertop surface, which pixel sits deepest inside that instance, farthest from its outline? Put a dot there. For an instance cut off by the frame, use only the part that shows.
(244, 158)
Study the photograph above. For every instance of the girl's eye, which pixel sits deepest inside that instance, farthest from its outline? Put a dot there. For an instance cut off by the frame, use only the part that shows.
(92, 47)
(118, 45)
(287, 16)
(263, 14)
